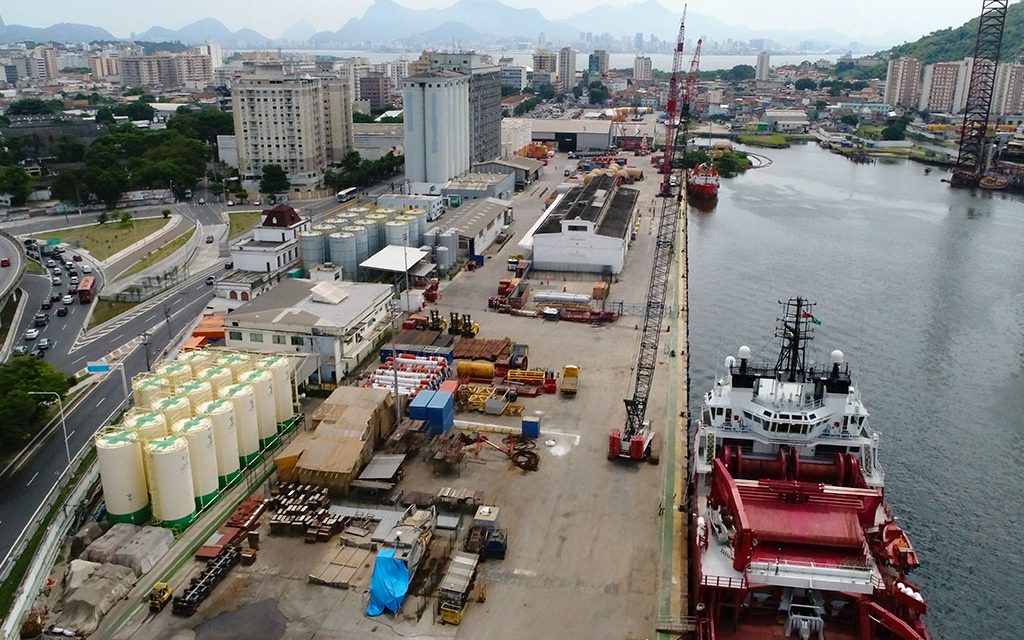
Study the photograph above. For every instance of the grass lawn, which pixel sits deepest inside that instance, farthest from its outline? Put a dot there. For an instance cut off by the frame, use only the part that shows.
(104, 240)
(107, 309)
(770, 140)
(31, 266)
(161, 253)
(870, 132)
(243, 221)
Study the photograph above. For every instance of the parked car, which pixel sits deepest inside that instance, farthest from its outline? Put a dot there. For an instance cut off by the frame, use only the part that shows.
(37, 353)
(209, 239)
(32, 334)
(256, 203)
(86, 268)
(45, 343)
(210, 280)
(19, 350)
(231, 203)
(56, 271)
(5, 262)
(202, 200)
(74, 279)
(63, 311)
(68, 299)
(73, 290)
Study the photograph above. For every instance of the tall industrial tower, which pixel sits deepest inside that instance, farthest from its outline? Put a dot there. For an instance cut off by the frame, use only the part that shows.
(971, 161)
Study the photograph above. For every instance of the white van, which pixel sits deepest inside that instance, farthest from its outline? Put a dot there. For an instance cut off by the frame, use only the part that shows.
(86, 268)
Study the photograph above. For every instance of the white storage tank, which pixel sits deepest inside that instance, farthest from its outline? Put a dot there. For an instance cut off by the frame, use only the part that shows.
(414, 230)
(217, 377)
(146, 424)
(389, 212)
(236, 362)
(343, 253)
(243, 400)
(198, 360)
(202, 456)
(396, 232)
(197, 392)
(123, 477)
(359, 211)
(312, 248)
(174, 408)
(266, 407)
(421, 221)
(361, 234)
(450, 239)
(375, 231)
(221, 414)
(281, 372)
(175, 372)
(443, 259)
(170, 481)
(147, 390)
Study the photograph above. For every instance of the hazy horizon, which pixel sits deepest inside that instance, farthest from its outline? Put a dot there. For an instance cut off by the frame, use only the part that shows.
(863, 20)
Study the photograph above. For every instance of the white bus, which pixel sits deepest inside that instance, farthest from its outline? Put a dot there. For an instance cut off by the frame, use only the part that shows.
(347, 194)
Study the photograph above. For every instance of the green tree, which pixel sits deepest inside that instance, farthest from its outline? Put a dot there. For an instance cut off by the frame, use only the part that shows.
(546, 92)
(69, 149)
(166, 213)
(508, 90)
(597, 92)
(34, 107)
(740, 73)
(102, 218)
(204, 124)
(20, 413)
(805, 84)
(108, 184)
(577, 91)
(17, 182)
(105, 115)
(136, 111)
(133, 91)
(241, 195)
(525, 106)
(274, 179)
(125, 218)
(69, 186)
(358, 116)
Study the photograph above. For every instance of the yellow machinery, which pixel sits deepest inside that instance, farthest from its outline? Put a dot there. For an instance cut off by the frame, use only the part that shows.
(159, 596)
(469, 328)
(533, 377)
(436, 322)
(570, 379)
(451, 613)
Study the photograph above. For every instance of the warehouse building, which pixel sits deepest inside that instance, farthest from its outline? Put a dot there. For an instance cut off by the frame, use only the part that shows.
(374, 140)
(478, 224)
(572, 135)
(473, 186)
(341, 323)
(587, 230)
(525, 170)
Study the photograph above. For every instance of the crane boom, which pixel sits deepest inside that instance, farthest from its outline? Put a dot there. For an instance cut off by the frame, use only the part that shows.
(634, 440)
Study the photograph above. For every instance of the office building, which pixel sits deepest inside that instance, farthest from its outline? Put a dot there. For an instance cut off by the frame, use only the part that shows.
(484, 100)
(292, 119)
(638, 42)
(515, 76)
(944, 87)
(545, 61)
(903, 82)
(436, 126)
(642, 69)
(597, 65)
(763, 69)
(375, 88)
(566, 68)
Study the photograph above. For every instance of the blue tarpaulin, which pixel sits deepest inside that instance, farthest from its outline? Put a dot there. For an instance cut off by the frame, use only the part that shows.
(389, 585)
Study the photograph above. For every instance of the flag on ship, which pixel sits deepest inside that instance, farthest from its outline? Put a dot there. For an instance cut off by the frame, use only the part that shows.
(807, 316)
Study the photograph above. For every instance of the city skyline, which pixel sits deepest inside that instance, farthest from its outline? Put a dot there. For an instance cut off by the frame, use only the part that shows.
(913, 18)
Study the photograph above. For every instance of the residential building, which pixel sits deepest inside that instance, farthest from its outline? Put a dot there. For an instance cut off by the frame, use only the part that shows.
(484, 100)
(46, 63)
(103, 66)
(515, 76)
(545, 61)
(566, 68)
(944, 87)
(642, 69)
(295, 120)
(436, 126)
(597, 65)
(341, 322)
(193, 70)
(375, 88)
(1008, 98)
(903, 82)
(763, 69)
(212, 49)
(541, 78)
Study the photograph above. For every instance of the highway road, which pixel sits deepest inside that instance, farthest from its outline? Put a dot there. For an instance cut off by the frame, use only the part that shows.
(13, 252)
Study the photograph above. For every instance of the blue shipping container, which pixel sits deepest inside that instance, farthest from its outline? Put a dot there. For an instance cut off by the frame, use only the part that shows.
(531, 428)
(418, 406)
(441, 412)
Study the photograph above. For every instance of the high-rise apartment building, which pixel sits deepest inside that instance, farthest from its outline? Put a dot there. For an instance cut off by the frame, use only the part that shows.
(545, 61)
(763, 69)
(903, 82)
(167, 70)
(104, 66)
(193, 70)
(642, 69)
(566, 68)
(1008, 97)
(295, 120)
(944, 87)
(515, 76)
(212, 49)
(375, 88)
(46, 67)
(484, 100)
(597, 65)
(436, 126)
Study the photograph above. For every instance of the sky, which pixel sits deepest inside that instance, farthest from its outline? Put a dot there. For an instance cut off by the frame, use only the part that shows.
(272, 17)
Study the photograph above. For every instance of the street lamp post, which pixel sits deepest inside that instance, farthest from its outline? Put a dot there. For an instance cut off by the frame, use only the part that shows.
(145, 336)
(63, 424)
(395, 311)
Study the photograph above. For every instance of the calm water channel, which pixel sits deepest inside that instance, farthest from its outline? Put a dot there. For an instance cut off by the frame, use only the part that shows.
(922, 287)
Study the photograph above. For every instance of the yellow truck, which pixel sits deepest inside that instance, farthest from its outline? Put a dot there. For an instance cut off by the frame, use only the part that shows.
(570, 379)
(159, 596)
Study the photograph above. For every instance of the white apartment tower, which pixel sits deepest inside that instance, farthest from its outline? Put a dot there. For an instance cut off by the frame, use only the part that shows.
(436, 126)
(944, 87)
(642, 69)
(903, 82)
(567, 68)
(763, 68)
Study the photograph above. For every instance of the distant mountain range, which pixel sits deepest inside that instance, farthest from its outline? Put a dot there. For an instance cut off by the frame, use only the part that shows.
(468, 23)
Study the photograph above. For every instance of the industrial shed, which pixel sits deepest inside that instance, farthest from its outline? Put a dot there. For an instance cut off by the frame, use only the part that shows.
(573, 135)
(526, 170)
(478, 224)
(587, 230)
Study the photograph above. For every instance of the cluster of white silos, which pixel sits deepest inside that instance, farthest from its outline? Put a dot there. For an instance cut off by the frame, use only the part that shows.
(443, 246)
(350, 237)
(197, 421)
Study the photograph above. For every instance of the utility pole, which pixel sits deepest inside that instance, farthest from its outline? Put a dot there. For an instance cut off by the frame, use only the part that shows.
(145, 336)
(63, 425)
(167, 315)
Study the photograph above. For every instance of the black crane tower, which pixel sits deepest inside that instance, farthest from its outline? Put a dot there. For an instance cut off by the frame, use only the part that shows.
(970, 161)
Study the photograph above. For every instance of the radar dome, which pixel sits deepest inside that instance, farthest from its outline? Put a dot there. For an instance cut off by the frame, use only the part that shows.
(744, 353)
(730, 362)
(836, 357)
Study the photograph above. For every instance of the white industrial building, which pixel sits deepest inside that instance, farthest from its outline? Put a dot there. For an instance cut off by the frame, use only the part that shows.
(525, 170)
(586, 230)
(374, 140)
(478, 224)
(432, 204)
(572, 135)
(261, 259)
(342, 323)
(436, 126)
(516, 133)
(473, 186)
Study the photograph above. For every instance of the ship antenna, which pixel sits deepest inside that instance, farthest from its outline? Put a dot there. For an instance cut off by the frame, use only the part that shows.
(795, 331)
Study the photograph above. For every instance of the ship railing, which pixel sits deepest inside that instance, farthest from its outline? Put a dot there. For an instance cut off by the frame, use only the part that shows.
(770, 402)
(724, 582)
(675, 624)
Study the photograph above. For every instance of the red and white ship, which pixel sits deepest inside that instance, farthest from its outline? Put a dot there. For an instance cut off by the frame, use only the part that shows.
(790, 534)
(702, 181)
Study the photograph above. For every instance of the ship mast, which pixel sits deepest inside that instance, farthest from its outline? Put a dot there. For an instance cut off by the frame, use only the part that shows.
(795, 332)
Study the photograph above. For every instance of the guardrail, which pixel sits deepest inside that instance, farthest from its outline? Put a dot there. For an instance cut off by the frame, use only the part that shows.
(21, 263)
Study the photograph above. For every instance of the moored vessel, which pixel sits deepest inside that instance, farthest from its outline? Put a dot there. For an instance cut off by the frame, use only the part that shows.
(790, 532)
(702, 181)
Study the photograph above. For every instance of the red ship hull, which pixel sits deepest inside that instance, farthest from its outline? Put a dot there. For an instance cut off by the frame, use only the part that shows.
(702, 183)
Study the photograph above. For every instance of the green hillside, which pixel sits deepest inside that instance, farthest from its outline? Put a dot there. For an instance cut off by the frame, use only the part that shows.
(956, 44)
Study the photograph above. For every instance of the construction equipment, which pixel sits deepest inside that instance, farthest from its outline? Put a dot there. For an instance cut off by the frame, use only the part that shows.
(972, 159)
(519, 357)
(436, 322)
(159, 596)
(456, 586)
(636, 440)
(570, 380)
(455, 324)
(468, 328)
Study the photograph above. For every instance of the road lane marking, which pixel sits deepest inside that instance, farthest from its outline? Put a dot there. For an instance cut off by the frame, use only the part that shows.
(32, 478)
(100, 402)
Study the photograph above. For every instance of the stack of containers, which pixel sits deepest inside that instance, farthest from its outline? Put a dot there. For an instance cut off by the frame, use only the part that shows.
(221, 414)
(243, 402)
(441, 412)
(196, 391)
(123, 477)
(262, 383)
(170, 481)
(202, 455)
(281, 371)
(148, 390)
(176, 373)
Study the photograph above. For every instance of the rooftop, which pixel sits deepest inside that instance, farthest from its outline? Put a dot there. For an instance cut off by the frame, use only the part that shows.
(600, 201)
(394, 258)
(470, 219)
(476, 181)
(517, 162)
(566, 125)
(281, 216)
(294, 302)
(377, 129)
